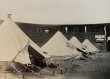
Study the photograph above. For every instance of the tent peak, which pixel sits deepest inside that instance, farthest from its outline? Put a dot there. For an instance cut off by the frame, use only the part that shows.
(9, 15)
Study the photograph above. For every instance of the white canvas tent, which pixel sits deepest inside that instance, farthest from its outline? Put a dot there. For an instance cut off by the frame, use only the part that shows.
(59, 45)
(14, 44)
(78, 44)
(90, 46)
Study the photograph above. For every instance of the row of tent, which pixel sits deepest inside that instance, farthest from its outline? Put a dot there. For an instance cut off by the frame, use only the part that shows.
(59, 45)
(16, 47)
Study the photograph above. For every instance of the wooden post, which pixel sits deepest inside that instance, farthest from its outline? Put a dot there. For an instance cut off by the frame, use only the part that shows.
(23, 76)
(5, 75)
(61, 71)
(53, 72)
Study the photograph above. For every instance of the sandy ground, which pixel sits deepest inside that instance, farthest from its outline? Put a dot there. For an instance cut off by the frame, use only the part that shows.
(97, 67)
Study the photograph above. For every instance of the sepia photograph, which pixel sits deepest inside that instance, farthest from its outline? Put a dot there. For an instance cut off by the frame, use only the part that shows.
(54, 39)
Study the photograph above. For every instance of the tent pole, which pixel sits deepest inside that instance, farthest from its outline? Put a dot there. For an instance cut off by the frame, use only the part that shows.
(16, 69)
(37, 66)
(29, 69)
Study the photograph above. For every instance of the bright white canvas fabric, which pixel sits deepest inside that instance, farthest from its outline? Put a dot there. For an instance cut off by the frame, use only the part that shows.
(59, 45)
(23, 56)
(90, 46)
(13, 41)
(76, 42)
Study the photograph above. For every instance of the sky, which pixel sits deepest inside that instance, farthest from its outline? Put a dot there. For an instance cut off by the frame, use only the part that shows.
(56, 11)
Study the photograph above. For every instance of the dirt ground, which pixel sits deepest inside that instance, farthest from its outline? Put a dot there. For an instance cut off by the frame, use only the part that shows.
(97, 67)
